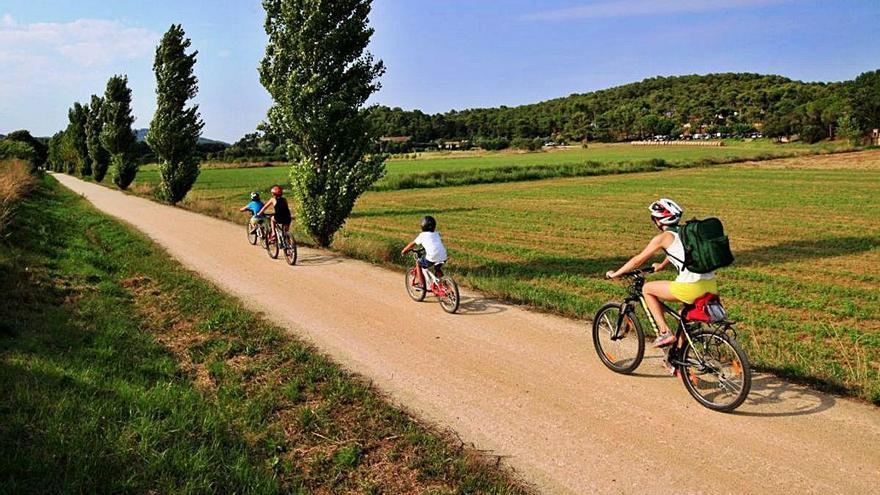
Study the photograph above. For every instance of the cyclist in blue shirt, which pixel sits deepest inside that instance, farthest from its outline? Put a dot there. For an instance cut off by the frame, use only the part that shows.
(254, 206)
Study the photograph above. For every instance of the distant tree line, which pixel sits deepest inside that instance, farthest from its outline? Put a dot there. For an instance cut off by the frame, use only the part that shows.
(729, 104)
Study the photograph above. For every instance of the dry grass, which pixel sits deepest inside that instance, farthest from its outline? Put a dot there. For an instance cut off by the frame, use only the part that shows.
(15, 181)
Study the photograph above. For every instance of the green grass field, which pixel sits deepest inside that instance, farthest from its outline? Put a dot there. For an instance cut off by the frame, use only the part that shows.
(433, 169)
(599, 152)
(121, 372)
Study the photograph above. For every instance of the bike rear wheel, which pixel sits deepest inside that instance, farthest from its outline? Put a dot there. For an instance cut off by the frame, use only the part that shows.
(621, 350)
(450, 299)
(716, 371)
(290, 249)
(416, 293)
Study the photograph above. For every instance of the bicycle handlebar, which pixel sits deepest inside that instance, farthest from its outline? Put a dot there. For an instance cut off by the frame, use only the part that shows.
(638, 272)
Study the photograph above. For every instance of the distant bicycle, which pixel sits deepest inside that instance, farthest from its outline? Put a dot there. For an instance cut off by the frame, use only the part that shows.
(257, 232)
(442, 286)
(712, 365)
(282, 241)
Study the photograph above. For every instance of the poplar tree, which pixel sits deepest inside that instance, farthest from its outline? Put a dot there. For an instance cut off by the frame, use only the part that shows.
(175, 129)
(116, 134)
(319, 74)
(94, 124)
(76, 130)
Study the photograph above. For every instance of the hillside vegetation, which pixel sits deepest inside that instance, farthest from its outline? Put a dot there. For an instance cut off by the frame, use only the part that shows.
(730, 103)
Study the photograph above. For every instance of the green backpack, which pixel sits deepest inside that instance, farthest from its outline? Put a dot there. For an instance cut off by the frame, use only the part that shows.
(706, 248)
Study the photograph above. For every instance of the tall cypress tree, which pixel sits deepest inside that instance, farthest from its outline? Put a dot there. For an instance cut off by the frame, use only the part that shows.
(320, 75)
(76, 129)
(175, 129)
(94, 124)
(116, 134)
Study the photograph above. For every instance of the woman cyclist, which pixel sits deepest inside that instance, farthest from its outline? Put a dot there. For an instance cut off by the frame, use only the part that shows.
(687, 287)
(282, 214)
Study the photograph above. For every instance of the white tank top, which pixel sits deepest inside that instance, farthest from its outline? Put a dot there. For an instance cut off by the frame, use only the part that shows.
(675, 255)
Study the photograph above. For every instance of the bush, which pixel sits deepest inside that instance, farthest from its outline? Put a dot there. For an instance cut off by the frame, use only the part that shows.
(492, 144)
(18, 150)
(527, 144)
(40, 149)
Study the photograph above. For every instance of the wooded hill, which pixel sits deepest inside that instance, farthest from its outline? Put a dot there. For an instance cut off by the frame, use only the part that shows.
(729, 103)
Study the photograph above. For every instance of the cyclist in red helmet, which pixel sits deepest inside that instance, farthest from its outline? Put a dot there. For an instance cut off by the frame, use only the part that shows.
(282, 214)
(687, 287)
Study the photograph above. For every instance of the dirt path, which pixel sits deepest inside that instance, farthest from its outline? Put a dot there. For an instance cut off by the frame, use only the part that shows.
(528, 386)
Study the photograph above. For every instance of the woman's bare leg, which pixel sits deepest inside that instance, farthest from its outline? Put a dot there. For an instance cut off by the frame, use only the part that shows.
(655, 292)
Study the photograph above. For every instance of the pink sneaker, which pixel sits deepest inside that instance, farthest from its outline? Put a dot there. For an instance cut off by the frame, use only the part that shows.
(664, 339)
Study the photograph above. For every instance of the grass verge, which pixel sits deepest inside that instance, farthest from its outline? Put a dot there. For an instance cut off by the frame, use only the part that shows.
(120, 371)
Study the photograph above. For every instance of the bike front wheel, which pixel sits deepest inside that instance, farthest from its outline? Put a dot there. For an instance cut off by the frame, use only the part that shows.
(252, 233)
(415, 291)
(450, 297)
(264, 237)
(290, 250)
(716, 371)
(272, 247)
(621, 348)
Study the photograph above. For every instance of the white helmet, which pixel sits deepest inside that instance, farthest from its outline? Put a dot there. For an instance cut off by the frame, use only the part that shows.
(666, 211)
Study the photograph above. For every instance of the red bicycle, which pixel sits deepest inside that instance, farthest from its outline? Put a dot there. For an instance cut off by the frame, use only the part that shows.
(441, 285)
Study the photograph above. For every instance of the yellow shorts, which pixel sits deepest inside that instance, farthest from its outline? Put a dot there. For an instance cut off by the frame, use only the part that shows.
(687, 292)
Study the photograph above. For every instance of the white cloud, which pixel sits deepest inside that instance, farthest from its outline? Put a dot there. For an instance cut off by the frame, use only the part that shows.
(629, 8)
(60, 62)
(84, 42)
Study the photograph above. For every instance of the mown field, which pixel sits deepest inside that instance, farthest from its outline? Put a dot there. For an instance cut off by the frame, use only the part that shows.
(462, 168)
(598, 152)
(804, 231)
(121, 372)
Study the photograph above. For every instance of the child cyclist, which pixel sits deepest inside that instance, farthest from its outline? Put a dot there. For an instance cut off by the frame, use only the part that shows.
(255, 206)
(435, 251)
(282, 214)
(687, 287)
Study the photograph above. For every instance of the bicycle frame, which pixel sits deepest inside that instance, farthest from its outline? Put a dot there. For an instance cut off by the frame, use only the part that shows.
(636, 295)
(432, 281)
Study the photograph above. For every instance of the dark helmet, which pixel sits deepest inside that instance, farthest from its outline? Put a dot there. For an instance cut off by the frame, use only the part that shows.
(428, 223)
(277, 191)
(255, 196)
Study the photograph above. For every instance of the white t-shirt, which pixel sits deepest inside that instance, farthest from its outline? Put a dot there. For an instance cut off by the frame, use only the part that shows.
(675, 253)
(435, 251)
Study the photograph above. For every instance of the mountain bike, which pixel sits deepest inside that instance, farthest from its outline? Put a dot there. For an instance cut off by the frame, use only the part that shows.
(257, 232)
(282, 241)
(442, 286)
(706, 355)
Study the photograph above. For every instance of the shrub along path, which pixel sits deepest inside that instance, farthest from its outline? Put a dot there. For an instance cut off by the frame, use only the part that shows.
(525, 385)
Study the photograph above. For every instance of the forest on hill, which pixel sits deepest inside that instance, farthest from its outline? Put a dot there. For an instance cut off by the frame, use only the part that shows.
(730, 103)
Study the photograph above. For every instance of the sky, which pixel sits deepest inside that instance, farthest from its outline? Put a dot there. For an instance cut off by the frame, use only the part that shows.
(440, 55)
